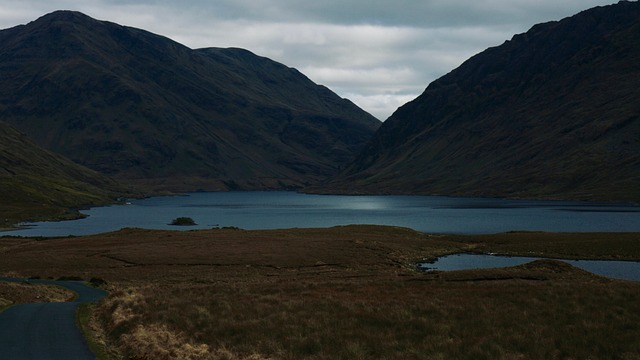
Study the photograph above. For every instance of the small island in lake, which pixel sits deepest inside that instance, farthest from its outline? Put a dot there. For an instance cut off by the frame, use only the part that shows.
(183, 221)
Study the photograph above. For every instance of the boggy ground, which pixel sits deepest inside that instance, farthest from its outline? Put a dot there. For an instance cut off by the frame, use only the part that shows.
(343, 293)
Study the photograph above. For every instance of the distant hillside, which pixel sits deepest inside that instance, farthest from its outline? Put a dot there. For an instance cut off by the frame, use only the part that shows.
(148, 110)
(552, 113)
(37, 184)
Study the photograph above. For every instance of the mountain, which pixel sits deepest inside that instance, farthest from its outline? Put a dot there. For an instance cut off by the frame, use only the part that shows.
(552, 113)
(36, 184)
(150, 111)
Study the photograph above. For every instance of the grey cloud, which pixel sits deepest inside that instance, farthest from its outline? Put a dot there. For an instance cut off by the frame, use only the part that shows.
(420, 13)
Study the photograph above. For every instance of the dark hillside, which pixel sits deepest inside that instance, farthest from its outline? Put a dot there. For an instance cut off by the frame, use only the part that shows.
(552, 113)
(36, 184)
(146, 109)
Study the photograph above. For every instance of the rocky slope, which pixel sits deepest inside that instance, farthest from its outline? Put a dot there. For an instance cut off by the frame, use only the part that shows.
(552, 113)
(148, 110)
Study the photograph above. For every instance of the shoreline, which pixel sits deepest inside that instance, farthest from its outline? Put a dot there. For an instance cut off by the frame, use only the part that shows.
(10, 225)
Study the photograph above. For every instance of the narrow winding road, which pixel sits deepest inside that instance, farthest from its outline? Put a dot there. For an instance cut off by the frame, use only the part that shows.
(44, 331)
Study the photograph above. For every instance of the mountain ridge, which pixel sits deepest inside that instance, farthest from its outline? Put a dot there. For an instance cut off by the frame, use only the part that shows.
(551, 113)
(148, 110)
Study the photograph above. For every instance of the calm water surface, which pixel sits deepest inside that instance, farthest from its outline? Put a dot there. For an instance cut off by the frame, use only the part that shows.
(629, 270)
(271, 210)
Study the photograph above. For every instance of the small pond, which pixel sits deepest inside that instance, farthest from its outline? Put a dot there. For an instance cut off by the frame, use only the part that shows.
(628, 270)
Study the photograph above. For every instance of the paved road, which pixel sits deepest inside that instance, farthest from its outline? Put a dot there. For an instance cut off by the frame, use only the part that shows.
(44, 331)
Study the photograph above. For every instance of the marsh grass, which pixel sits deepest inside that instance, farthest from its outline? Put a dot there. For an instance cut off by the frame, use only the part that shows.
(5, 304)
(86, 320)
(610, 246)
(20, 293)
(416, 320)
(341, 293)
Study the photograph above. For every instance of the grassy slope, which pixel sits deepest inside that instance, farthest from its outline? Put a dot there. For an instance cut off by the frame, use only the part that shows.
(344, 293)
(36, 184)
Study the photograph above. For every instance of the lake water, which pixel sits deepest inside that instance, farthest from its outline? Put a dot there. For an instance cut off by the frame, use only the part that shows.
(282, 209)
(629, 270)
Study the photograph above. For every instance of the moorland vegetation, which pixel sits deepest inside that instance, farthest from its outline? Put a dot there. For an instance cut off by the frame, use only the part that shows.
(349, 292)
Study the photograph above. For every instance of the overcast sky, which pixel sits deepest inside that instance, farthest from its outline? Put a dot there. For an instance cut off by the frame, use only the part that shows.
(378, 53)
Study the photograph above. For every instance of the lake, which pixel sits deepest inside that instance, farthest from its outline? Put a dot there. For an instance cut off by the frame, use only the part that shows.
(629, 270)
(283, 209)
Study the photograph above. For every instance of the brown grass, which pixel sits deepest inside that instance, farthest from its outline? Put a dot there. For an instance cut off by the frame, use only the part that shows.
(610, 246)
(340, 293)
(20, 293)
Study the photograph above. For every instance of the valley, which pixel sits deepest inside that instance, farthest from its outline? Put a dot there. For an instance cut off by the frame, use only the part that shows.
(95, 113)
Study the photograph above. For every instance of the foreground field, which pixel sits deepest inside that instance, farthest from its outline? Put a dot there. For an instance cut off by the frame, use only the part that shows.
(342, 293)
